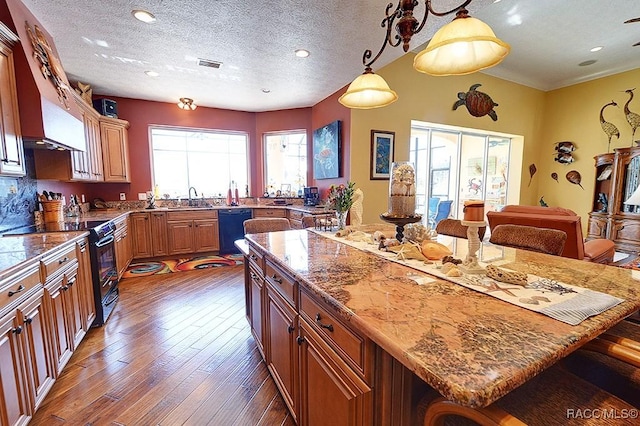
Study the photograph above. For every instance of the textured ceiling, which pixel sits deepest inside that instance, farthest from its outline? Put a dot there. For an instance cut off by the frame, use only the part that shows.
(100, 43)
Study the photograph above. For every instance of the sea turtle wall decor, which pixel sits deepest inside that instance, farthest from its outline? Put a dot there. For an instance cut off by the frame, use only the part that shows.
(478, 103)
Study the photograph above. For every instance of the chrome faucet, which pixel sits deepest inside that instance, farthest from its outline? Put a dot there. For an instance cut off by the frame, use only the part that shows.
(195, 192)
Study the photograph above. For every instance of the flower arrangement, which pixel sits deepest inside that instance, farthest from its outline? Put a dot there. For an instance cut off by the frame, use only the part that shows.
(341, 196)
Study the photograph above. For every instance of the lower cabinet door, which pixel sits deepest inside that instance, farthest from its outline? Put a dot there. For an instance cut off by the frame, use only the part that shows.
(14, 408)
(256, 289)
(56, 305)
(206, 236)
(330, 392)
(35, 330)
(282, 351)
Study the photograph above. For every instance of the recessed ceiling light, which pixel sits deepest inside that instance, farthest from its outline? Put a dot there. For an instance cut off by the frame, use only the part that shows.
(266, 90)
(144, 16)
(597, 48)
(302, 53)
(151, 73)
(589, 62)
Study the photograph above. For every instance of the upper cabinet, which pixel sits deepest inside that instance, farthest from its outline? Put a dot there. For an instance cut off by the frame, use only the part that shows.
(115, 149)
(87, 165)
(11, 149)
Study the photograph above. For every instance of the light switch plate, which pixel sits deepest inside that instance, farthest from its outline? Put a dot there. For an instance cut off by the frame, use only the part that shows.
(142, 196)
(123, 196)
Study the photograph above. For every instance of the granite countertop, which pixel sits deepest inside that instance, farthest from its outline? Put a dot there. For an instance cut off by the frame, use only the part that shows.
(110, 214)
(469, 346)
(16, 250)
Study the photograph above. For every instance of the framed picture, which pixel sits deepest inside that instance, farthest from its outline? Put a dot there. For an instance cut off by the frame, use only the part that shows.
(326, 151)
(381, 153)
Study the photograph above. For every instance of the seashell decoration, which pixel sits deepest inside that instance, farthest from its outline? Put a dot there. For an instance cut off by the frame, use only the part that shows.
(554, 176)
(574, 177)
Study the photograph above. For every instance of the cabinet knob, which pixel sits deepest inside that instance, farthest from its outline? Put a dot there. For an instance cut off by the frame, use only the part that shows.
(71, 282)
(276, 279)
(28, 320)
(290, 329)
(300, 340)
(63, 260)
(17, 330)
(327, 326)
(20, 289)
(64, 288)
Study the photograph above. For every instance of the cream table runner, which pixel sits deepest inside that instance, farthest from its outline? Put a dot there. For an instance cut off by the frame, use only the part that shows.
(563, 302)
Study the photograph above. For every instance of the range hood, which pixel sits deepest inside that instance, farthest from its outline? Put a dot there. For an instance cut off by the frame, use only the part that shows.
(47, 119)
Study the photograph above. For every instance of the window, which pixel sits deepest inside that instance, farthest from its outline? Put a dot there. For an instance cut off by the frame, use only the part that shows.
(460, 164)
(286, 162)
(205, 159)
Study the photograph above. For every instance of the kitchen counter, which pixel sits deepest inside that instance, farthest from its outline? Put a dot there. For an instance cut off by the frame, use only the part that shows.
(16, 250)
(470, 347)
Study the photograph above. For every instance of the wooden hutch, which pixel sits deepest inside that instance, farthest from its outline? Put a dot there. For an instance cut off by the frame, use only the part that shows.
(617, 176)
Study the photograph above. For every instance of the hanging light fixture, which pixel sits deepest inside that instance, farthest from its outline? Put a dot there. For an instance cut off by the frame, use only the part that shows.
(187, 104)
(463, 46)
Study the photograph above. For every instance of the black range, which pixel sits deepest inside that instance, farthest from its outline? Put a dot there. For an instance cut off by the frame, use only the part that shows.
(101, 253)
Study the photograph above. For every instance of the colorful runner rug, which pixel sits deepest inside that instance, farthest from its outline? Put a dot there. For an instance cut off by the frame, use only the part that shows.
(633, 264)
(142, 269)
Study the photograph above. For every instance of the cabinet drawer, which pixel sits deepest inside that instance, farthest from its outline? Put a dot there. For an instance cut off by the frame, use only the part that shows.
(18, 285)
(269, 213)
(192, 214)
(282, 282)
(626, 231)
(57, 261)
(256, 259)
(350, 345)
(295, 215)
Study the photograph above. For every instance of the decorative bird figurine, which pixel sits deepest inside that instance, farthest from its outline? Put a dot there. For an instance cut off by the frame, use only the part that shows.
(632, 118)
(609, 128)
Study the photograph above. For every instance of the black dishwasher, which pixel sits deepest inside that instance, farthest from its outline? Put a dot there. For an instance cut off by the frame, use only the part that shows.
(231, 228)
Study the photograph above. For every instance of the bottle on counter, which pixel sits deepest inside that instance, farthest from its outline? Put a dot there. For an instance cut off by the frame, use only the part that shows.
(237, 196)
(229, 197)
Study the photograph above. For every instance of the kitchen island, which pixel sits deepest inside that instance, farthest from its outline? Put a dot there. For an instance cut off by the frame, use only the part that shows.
(326, 313)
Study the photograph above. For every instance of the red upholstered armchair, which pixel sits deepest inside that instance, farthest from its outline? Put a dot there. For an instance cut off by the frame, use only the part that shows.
(598, 250)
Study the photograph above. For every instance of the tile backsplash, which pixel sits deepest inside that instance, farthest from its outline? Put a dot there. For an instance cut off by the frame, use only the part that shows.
(17, 199)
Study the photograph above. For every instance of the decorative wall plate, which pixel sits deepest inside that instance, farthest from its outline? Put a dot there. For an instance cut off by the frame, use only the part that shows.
(49, 64)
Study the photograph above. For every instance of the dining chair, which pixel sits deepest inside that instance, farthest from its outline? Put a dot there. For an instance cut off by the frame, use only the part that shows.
(611, 362)
(554, 397)
(455, 228)
(266, 224)
(432, 210)
(443, 211)
(542, 240)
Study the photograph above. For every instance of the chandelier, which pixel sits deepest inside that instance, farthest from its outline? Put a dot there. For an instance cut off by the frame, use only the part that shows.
(463, 46)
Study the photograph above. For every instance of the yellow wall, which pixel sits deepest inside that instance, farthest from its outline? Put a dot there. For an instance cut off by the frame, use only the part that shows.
(426, 98)
(573, 114)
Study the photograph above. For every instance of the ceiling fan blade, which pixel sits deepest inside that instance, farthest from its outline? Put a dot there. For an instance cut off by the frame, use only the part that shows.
(632, 20)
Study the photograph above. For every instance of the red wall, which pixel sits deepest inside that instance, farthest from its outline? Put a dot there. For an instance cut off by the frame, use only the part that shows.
(142, 114)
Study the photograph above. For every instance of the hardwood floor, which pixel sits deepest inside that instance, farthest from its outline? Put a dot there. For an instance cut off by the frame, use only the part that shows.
(177, 350)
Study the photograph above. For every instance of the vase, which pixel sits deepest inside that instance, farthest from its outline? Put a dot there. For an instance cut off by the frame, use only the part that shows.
(342, 219)
(402, 190)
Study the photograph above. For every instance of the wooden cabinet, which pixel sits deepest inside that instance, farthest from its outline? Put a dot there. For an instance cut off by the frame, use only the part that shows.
(85, 285)
(123, 246)
(331, 393)
(87, 165)
(26, 368)
(617, 176)
(192, 231)
(323, 368)
(62, 295)
(41, 322)
(282, 347)
(115, 149)
(11, 148)
(149, 234)
(295, 219)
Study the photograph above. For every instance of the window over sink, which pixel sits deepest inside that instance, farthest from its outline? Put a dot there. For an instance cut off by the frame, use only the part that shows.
(285, 162)
(208, 160)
